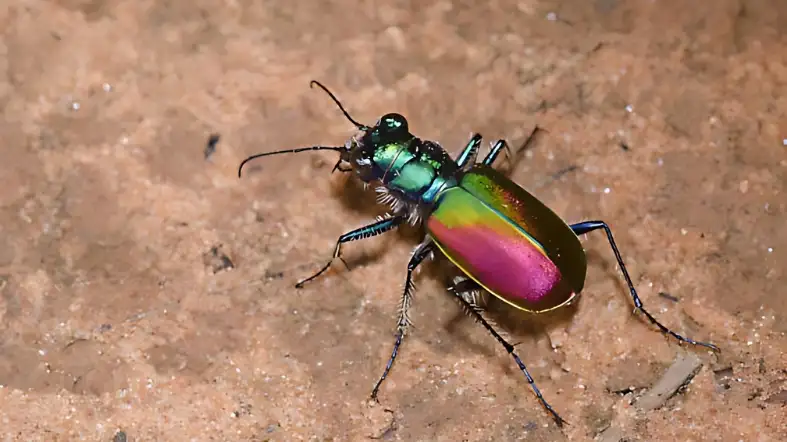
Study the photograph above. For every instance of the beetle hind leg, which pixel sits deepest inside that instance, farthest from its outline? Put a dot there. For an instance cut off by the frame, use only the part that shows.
(495, 152)
(368, 231)
(589, 226)
(420, 253)
(501, 145)
(468, 155)
(479, 316)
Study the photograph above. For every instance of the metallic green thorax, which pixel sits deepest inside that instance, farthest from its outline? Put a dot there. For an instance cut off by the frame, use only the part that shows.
(410, 167)
(413, 169)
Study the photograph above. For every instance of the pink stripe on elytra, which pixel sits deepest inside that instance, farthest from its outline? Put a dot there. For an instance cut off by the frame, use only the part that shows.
(507, 264)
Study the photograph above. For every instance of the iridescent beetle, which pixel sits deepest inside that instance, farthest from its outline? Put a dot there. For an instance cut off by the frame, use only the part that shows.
(504, 240)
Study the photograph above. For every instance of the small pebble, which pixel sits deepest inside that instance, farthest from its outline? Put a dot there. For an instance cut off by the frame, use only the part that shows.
(210, 146)
(551, 16)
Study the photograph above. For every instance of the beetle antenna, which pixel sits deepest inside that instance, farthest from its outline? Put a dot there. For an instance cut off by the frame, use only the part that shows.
(338, 103)
(300, 149)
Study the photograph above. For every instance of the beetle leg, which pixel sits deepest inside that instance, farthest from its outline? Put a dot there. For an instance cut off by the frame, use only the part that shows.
(469, 153)
(478, 314)
(501, 144)
(468, 289)
(420, 253)
(496, 148)
(589, 226)
(341, 167)
(368, 231)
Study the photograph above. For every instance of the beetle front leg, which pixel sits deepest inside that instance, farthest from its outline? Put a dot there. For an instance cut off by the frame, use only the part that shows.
(341, 167)
(419, 254)
(368, 231)
(589, 226)
(478, 315)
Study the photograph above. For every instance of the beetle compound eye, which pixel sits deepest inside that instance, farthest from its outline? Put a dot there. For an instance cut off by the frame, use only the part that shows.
(391, 128)
(393, 123)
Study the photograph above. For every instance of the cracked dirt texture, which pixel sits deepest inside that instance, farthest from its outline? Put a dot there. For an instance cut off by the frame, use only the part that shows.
(668, 123)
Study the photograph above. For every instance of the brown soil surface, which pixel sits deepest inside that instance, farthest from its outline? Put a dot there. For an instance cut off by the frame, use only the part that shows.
(117, 312)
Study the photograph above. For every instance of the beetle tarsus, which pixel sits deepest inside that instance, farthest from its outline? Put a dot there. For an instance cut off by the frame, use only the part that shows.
(341, 167)
(301, 283)
(374, 229)
(399, 337)
(479, 316)
(680, 338)
(589, 226)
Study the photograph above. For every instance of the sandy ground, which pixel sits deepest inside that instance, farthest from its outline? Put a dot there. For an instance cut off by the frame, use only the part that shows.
(121, 320)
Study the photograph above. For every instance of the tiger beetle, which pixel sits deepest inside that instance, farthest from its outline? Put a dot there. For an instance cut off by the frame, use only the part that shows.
(504, 240)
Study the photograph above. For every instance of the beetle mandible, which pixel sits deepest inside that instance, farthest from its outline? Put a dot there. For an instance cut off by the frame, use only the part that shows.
(501, 237)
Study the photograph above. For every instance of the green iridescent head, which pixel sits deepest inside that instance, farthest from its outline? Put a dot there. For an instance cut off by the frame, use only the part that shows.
(390, 128)
(374, 151)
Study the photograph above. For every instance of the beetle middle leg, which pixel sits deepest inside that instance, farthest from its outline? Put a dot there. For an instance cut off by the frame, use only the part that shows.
(589, 226)
(420, 253)
(341, 167)
(367, 231)
(478, 315)
(467, 289)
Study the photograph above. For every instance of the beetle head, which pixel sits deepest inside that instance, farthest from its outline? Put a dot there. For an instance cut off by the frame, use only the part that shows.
(379, 144)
